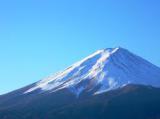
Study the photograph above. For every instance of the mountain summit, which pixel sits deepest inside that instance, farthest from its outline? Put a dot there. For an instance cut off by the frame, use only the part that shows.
(102, 71)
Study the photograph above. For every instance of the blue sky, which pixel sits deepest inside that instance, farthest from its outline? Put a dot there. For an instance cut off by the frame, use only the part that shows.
(40, 37)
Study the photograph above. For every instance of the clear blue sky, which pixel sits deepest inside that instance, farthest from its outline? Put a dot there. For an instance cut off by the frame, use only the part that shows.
(40, 37)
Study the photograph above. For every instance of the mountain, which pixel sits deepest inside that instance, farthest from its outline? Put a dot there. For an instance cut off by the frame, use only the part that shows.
(110, 83)
(102, 71)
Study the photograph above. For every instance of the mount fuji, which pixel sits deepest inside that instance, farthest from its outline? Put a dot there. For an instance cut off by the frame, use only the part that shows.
(102, 71)
(96, 87)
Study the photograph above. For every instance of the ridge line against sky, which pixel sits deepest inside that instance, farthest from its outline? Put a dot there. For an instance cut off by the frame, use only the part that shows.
(39, 37)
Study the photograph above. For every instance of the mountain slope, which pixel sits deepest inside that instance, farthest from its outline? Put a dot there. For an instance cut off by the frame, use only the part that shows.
(111, 83)
(129, 102)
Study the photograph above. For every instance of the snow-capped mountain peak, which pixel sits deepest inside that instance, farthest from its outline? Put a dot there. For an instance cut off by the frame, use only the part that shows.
(104, 70)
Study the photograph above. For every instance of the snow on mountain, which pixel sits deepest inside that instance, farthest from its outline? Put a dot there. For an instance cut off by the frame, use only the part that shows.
(102, 71)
